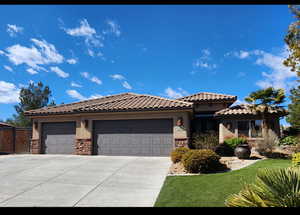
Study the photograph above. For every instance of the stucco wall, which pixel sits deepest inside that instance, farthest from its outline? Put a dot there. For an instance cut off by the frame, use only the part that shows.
(85, 132)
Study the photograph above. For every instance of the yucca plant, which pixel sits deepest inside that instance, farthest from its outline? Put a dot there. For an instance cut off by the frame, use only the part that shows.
(272, 188)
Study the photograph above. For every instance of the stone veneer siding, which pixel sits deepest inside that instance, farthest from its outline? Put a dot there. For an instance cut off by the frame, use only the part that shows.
(83, 147)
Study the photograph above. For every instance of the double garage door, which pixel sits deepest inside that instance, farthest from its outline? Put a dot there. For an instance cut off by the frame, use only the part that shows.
(143, 137)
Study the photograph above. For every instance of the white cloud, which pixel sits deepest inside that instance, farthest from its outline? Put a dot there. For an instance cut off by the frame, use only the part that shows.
(73, 84)
(277, 75)
(91, 53)
(95, 96)
(59, 72)
(9, 93)
(93, 79)
(114, 28)
(91, 38)
(171, 93)
(96, 80)
(13, 30)
(117, 77)
(204, 61)
(72, 61)
(31, 71)
(76, 95)
(2, 52)
(126, 85)
(85, 74)
(41, 54)
(8, 68)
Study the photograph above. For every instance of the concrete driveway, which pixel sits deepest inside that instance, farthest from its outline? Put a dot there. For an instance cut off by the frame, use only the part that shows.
(85, 181)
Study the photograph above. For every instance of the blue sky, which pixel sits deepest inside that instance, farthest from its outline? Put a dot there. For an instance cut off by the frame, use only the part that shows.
(87, 51)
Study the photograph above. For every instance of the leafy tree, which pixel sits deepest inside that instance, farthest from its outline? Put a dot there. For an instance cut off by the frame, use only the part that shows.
(264, 100)
(32, 97)
(292, 39)
(294, 108)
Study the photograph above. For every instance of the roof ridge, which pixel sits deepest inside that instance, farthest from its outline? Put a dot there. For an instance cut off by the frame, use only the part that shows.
(113, 101)
(173, 100)
(207, 93)
(80, 102)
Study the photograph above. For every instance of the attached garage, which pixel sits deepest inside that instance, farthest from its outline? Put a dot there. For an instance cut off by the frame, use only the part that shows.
(139, 137)
(58, 137)
(126, 124)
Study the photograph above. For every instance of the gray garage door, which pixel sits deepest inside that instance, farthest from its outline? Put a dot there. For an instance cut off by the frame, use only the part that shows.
(58, 138)
(152, 137)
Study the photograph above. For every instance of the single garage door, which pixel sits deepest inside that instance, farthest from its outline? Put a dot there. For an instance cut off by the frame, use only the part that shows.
(142, 137)
(58, 138)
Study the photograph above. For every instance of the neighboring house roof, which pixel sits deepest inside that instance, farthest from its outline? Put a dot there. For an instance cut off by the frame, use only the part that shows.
(115, 103)
(208, 97)
(2, 124)
(247, 109)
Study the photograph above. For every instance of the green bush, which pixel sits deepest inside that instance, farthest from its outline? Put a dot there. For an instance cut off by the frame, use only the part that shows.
(271, 188)
(176, 154)
(201, 161)
(224, 150)
(296, 159)
(288, 140)
(235, 141)
(205, 141)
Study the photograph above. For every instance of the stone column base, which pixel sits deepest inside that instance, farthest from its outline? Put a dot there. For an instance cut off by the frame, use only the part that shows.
(35, 146)
(83, 147)
(181, 142)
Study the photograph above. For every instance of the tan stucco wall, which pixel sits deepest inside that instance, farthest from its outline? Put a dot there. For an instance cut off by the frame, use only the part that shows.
(198, 107)
(83, 132)
(223, 131)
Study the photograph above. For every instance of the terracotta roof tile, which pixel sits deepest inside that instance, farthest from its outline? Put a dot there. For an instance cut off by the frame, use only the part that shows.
(120, 102)
(245, 109)
(205, 96)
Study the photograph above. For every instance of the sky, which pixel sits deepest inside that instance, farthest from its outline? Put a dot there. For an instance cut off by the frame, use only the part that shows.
(89, 51)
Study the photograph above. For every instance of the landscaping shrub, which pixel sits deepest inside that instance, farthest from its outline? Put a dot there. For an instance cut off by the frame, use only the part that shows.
(266, 146)
(296, 148)
(296, 159)
(235, 141)
(271, 188)
(289, 140)
(201, 161)
(205, 141)
(176, 154)
(224, 150)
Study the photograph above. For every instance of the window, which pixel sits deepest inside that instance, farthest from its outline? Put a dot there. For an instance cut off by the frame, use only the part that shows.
(243, 128)
(256, 128)
(229, 126)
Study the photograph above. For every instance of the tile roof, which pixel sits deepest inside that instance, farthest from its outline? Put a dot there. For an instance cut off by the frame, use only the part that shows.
(5, 124)
(115, 103)
(245, 109)
(206, 97)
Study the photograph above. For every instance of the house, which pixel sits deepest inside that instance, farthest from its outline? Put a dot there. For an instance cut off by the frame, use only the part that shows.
(133, 124)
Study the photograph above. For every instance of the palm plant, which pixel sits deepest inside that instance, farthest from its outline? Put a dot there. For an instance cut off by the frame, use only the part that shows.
(272, 188)
(264, 100)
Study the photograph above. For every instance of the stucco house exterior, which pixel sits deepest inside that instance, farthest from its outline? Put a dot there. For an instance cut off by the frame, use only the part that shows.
(136, 124)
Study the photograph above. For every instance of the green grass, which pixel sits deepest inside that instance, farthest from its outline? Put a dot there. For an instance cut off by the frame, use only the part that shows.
(210, 190)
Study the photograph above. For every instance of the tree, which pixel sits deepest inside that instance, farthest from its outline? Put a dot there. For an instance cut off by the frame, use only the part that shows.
(264, 100)
(294, 108)
(292, 39)
(32, 97)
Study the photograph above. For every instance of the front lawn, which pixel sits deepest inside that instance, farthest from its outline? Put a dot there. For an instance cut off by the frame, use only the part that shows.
(210, 190)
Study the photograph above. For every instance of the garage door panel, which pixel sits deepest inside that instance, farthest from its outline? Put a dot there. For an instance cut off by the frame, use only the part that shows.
(136, 137)
(58, 138)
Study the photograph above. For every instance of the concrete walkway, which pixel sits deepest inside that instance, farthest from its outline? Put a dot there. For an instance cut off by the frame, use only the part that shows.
(85, 181)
